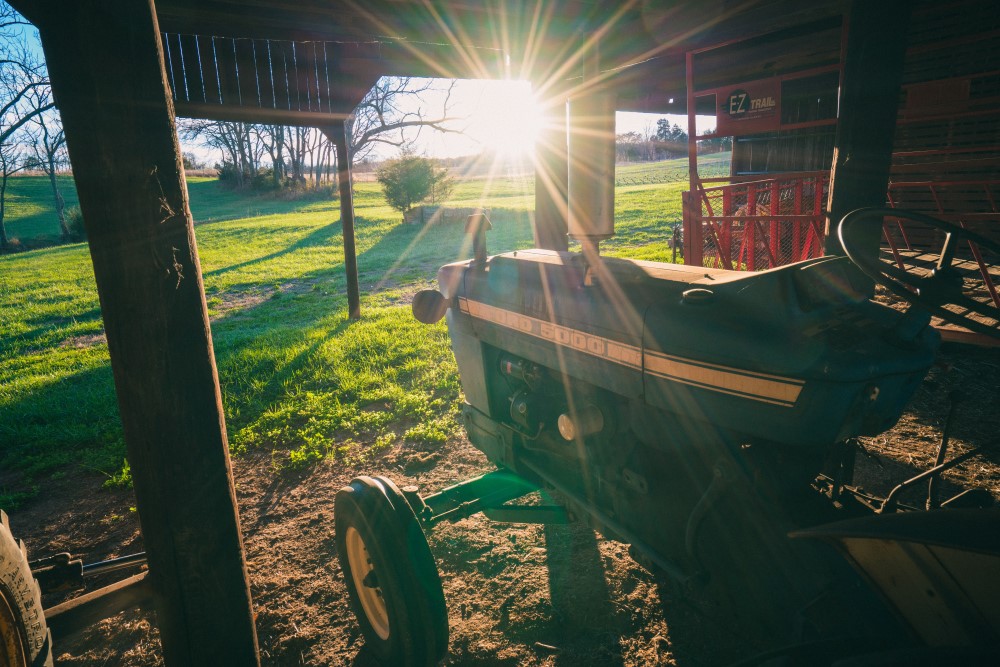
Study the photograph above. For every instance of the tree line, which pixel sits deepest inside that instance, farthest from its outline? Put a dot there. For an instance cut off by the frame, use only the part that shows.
(260, 157)
(663, 141)
(247, 155)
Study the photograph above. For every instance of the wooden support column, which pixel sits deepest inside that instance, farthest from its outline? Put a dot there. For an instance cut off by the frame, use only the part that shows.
(105, 62)
(869, 103)
(552, 177)
(337, 133)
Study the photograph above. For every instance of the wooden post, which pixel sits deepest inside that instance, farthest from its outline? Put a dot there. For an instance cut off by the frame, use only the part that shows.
(692, 239)
(337, 133)
(694, 242)
(869, 103)
(105, 62)
(551, 177)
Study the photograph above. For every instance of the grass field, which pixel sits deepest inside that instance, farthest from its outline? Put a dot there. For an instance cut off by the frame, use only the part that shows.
(29, 210)
(298, 378)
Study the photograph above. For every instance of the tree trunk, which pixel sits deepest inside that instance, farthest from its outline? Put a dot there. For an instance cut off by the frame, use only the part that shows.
(279, 151)
(58, 198)
(3, 211)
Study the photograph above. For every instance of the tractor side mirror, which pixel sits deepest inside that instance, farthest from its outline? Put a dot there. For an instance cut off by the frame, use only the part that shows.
(429, 306)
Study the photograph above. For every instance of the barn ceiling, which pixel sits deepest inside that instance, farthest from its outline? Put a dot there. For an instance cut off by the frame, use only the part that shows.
(542, 41)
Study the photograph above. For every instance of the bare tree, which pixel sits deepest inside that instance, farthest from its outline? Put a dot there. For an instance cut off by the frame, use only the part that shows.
(48, 142)
(648, 139)
(239, 144)
(392, 110)
(24, 93)
(393, 113)
(11, 161)
(273, 138)
(298, 149)
(22, 75)
(628, 147)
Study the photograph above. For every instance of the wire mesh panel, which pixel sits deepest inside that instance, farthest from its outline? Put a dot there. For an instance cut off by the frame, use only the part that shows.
(760, 224)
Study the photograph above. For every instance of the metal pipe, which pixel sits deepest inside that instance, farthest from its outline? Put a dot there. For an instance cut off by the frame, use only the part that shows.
(715, 490)
(890, 502)
(471, 496)
(932, 484)
(114, 564)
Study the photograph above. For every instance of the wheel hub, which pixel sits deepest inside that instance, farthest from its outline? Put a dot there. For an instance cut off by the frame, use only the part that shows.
(366, 583)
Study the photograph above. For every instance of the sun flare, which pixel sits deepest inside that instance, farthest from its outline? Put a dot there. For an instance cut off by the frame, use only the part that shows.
(507, 119)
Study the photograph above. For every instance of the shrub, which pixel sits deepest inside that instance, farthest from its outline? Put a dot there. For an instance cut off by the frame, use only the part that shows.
(121, 479)
(229, 175)
(410, 179)
(13, 245)
(74, 222)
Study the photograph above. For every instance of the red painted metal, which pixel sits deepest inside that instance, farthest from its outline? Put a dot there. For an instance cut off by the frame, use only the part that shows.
(935, 190)
(761, 223)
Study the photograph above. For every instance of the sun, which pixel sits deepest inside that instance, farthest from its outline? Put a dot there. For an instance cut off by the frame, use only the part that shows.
(506, 119)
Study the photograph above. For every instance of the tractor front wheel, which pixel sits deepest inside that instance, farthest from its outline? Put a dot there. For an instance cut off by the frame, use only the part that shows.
(24, 637)
(390, 574)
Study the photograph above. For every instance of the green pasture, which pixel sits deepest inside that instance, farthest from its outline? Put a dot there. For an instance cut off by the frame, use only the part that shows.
(298, 378)
(669, 171)
(29, 212)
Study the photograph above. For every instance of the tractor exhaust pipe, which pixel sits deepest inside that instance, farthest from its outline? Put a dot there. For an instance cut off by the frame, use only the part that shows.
(591, 166)
(591, 153)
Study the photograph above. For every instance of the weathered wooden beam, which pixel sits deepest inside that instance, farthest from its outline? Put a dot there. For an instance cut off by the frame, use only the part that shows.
(337, 133)
(74, 615)
(472, 23)
(105, 62)
(236, 113)
(279, 82)
(869, 103)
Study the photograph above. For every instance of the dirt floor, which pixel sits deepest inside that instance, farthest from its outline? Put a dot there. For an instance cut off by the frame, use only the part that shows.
(517, 595)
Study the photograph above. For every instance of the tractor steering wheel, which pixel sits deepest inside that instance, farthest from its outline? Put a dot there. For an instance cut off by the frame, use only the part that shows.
(941, 286)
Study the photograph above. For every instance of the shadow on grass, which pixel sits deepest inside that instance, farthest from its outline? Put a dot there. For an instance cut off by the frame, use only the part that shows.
(316, 238)
(35, 339)
(75, 421)
(212, 203)
(58, 412)
(40, 220)
(71, 421)
(406, 247)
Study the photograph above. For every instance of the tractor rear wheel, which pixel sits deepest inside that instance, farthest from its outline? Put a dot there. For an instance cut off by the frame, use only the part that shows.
(391, 578)
(24, 638)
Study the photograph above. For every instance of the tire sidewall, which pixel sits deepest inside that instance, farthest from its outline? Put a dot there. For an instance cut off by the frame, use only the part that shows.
(421, 561)
(21, 592)
(365, 506)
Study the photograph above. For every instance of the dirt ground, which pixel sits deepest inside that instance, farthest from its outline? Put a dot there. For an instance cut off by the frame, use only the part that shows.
(517, 594)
